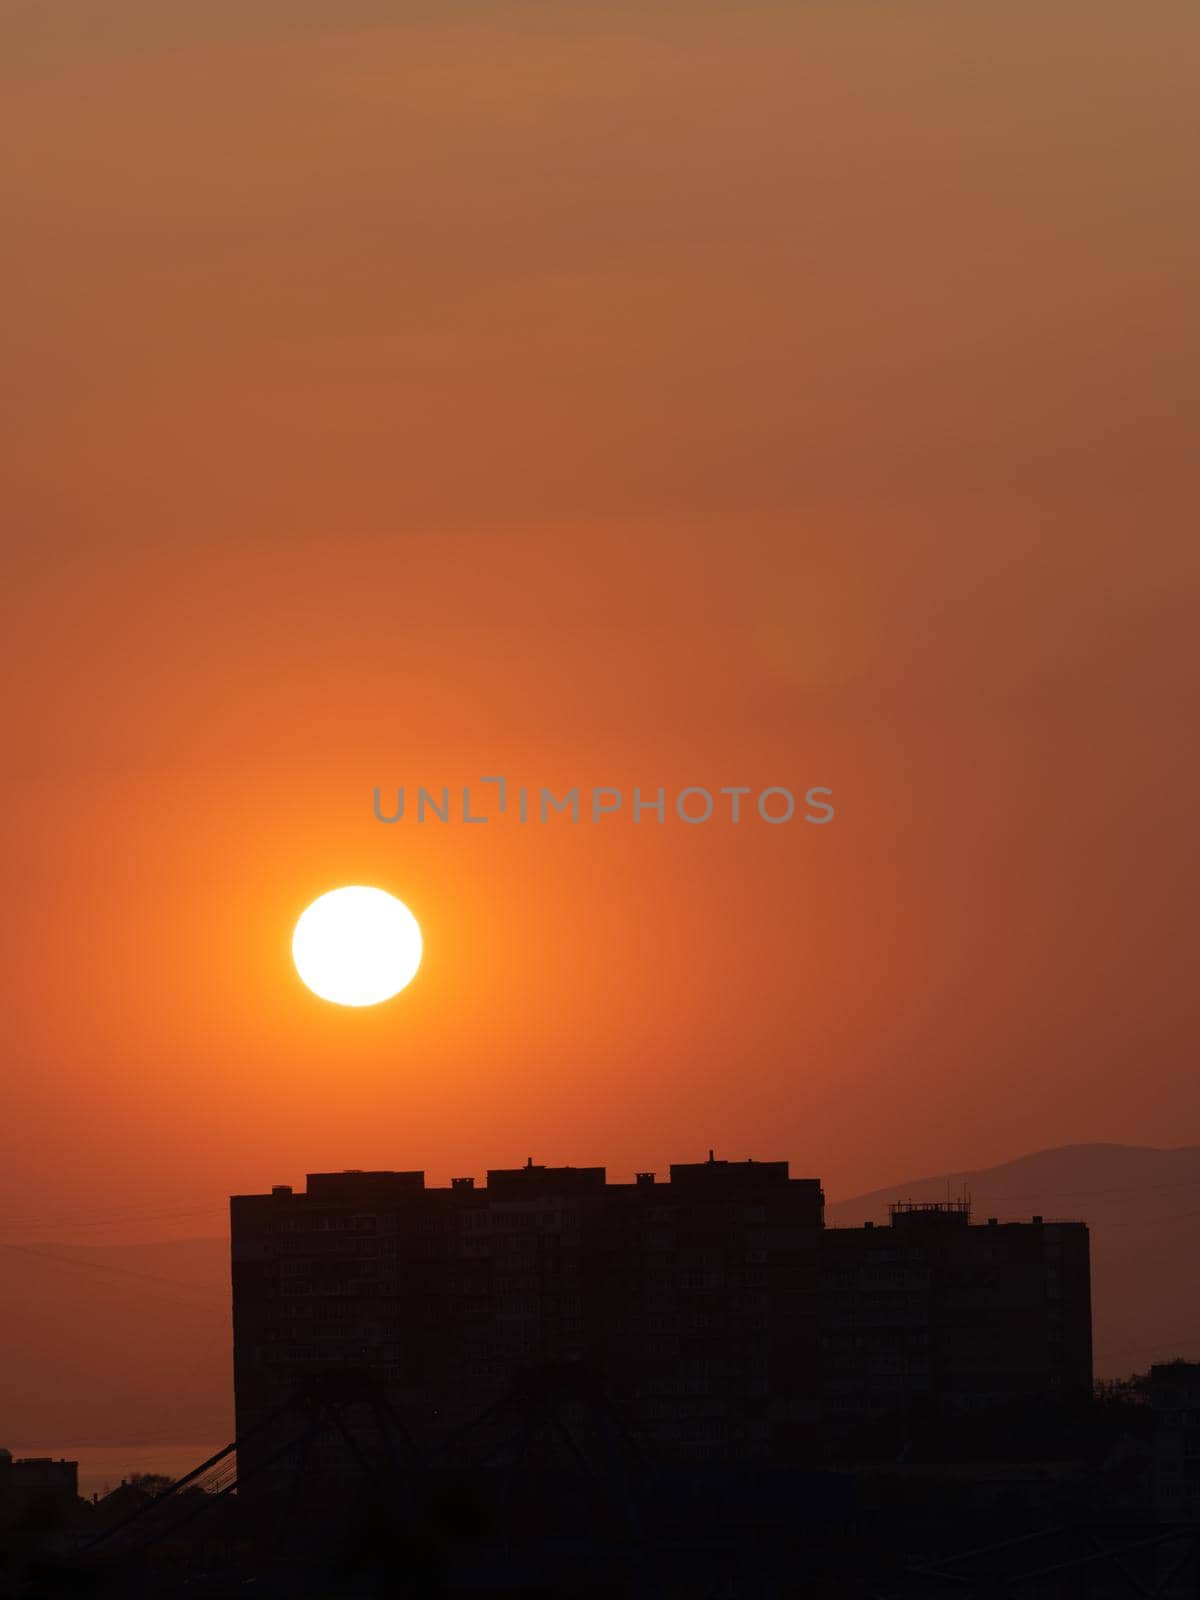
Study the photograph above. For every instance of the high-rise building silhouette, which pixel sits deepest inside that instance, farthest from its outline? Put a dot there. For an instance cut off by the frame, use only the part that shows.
(713, 1313)
(937, 1316)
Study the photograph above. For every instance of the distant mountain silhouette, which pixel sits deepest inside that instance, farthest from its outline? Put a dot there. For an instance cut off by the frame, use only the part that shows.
(130, 1344)
(1143, 1208)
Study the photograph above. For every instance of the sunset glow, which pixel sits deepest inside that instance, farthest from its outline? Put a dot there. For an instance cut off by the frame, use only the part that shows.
(608, 399)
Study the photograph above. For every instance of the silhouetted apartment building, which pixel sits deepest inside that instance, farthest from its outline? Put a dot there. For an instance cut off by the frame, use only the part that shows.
(691, 1303)
(936, 1315)
(37, 1486)
(713, 1313)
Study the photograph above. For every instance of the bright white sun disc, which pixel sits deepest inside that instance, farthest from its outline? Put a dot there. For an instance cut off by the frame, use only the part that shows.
(357, 946)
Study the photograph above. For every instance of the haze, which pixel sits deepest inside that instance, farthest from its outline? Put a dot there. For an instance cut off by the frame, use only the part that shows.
(611, 394)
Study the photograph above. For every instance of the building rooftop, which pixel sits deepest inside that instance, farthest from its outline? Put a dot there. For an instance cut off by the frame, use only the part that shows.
(384, 1187)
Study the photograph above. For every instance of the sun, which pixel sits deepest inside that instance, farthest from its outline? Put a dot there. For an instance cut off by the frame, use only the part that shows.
(357, 946)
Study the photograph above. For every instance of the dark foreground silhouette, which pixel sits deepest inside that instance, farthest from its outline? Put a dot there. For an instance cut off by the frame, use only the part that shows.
(548, 1494)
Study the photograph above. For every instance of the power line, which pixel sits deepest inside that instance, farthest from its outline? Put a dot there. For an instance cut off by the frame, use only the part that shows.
(76, 1219)
(100, 1266)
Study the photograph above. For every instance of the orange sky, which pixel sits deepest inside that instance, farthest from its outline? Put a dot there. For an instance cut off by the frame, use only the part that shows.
(601, 393)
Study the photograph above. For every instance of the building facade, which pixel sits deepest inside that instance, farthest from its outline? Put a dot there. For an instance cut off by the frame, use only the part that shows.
(936, 1316)
(690, 1304)
(36, 1486)
(713, 1313)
